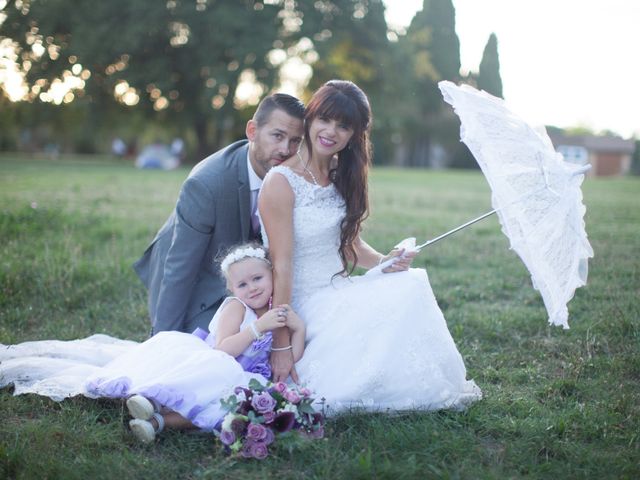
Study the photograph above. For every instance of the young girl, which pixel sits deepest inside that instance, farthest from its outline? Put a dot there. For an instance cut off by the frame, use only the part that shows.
(178, 380)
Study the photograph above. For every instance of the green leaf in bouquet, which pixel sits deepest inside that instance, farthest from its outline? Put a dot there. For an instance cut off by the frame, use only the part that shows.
(305, 407)
(230, 404)
(253, 418)
(256, 386)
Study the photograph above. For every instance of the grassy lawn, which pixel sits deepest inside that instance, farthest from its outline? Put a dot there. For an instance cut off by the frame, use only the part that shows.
(563, 404)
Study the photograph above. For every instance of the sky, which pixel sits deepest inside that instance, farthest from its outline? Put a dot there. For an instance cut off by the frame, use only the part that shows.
(565, 63)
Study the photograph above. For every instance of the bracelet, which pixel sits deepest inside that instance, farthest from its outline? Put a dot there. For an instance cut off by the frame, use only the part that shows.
(281, 349)
(255, 331)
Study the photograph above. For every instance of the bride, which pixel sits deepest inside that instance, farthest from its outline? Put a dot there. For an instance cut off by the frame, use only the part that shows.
(374, 341)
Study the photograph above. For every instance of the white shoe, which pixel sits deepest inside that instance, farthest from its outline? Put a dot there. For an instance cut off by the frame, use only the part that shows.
(143, 429)
(140, 407)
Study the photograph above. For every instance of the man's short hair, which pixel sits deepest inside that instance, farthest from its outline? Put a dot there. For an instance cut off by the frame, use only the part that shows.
(278, 101)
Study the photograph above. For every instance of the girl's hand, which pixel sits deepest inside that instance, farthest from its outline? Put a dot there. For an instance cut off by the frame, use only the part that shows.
(292, 320)
(402, 260)
(271, 320)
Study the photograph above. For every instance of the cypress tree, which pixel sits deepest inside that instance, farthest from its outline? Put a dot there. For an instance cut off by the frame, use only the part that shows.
(438, 19)
(489, 73)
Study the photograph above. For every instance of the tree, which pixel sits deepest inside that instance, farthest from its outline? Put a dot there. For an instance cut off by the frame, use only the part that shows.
(489, 73)
(438, 18)
(428, 53)
(178, 61)
(635, 159)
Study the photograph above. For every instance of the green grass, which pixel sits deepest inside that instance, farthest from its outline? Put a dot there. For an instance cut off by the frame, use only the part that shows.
(562, 404)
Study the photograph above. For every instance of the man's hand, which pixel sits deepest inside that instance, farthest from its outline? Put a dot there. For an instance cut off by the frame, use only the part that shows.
(282, 366)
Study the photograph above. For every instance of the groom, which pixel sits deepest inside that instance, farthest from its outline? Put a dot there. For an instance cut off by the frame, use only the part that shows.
(215, 210)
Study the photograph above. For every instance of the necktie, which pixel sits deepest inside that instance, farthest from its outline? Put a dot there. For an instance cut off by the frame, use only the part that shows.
(255, 221)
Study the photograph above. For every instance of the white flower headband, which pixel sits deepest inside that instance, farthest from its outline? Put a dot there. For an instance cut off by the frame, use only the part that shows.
(240, 254)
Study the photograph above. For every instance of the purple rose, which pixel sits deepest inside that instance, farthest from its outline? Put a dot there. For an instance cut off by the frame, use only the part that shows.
(246, 449)
(259, 450)
(269, 416)
(263, 402)
(270, 437)
(227, 437)
(256, 432)
(252, 449)
(292, 396)
(284, 422)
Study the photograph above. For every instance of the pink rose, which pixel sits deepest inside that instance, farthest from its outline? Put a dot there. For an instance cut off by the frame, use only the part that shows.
(280, 387)
(292, 396)
(305, 392)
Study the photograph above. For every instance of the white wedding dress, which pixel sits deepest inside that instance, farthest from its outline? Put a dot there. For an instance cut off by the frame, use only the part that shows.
(375, 342)
(179, 370)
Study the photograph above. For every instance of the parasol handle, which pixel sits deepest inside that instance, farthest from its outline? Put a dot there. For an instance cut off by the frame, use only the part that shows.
(581, 170)
(389, 262)
(450, 232)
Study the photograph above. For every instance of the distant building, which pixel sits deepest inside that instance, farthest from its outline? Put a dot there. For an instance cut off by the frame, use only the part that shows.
(608, 155)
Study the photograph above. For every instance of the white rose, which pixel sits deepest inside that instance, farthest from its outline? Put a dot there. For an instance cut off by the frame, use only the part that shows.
(226, 423)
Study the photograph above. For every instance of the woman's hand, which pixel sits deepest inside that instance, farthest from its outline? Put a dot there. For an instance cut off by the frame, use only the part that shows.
(282, 366)
(402, 260)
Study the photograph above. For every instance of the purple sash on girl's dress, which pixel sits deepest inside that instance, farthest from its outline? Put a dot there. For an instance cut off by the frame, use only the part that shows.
(255, 359)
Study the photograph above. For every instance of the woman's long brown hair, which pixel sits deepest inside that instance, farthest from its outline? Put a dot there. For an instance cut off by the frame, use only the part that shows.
(343, 101)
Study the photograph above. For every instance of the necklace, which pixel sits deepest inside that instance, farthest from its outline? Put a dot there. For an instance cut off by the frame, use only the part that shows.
(304, 166)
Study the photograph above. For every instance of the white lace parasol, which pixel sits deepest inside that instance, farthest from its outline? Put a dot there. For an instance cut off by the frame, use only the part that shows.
(535, 192)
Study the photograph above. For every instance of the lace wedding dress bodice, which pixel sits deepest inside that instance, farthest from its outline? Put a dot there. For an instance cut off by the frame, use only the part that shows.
(317, 214)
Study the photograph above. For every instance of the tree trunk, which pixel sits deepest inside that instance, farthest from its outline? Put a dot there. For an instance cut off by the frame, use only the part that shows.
(203, 148)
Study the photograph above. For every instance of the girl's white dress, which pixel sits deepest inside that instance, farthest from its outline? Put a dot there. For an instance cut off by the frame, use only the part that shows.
(375, 341)
(178, 370)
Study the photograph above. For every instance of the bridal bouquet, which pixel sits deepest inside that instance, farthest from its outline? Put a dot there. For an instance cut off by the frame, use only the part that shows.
(260, 414)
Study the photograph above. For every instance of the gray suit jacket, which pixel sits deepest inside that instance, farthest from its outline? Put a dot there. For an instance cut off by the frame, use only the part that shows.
(212, 214)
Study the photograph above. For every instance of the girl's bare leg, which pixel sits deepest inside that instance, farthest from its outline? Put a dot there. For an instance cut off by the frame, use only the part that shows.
(173, 420)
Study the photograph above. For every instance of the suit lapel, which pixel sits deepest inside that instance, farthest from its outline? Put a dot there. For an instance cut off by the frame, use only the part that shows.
(244, 192)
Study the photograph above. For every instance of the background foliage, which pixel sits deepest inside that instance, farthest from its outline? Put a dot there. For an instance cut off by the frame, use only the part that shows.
(147, 70)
